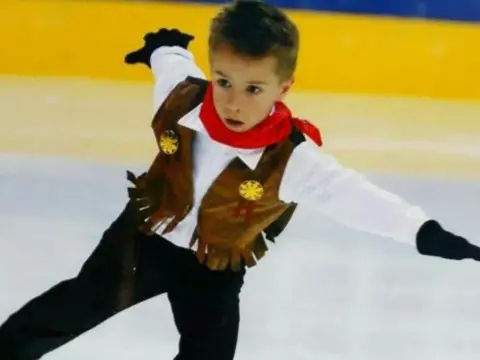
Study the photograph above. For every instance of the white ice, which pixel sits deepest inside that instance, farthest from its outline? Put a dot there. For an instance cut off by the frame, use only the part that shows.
(324, 291)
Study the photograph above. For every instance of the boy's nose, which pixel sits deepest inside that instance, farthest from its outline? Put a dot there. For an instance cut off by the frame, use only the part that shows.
(233, 108)
(233, 104)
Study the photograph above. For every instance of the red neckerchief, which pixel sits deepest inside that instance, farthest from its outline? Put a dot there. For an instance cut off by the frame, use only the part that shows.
(274, 129)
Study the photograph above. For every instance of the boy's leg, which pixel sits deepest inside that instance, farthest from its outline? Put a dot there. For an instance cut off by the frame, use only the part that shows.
(206, 312)
(125, 268)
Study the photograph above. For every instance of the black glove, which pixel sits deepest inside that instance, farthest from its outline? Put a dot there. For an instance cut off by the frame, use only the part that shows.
(433, 240)
(153, 41)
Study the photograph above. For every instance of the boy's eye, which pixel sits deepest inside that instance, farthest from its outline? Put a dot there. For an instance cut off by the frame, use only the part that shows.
(223, 83)
(252, 89)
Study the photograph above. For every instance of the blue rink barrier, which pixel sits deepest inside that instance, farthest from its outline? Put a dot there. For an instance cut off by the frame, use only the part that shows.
(456, 10)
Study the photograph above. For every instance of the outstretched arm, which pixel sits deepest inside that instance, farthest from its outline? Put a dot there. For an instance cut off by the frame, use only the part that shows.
(318, 181)
(171, 65)
(166, 53)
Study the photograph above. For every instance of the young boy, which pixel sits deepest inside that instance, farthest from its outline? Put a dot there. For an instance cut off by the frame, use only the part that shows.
(232, 166)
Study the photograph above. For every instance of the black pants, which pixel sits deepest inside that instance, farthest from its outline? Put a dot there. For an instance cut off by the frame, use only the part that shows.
(125, 269)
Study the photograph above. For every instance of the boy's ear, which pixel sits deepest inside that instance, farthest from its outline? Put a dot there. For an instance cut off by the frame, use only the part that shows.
(286, 86)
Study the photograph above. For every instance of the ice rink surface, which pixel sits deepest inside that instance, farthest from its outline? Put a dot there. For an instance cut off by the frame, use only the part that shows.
(323, 291)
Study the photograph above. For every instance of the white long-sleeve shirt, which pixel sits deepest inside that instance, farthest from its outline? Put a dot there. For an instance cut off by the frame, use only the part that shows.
(313, 179)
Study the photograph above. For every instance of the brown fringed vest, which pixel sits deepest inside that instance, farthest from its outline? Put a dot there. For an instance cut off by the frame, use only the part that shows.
(240, 207)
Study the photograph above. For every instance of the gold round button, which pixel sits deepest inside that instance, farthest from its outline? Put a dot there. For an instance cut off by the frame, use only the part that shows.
(168, 142)
(251, 190)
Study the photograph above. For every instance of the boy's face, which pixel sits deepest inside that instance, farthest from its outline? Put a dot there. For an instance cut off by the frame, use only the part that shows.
(244, 89)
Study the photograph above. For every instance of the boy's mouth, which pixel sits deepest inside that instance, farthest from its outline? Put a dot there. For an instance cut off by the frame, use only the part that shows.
(233, 122)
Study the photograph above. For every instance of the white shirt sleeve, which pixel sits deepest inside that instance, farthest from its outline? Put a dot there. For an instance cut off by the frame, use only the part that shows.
(171, 65)
(317, 181)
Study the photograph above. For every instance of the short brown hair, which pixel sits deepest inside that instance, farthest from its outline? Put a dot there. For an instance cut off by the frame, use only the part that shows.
(256, 29)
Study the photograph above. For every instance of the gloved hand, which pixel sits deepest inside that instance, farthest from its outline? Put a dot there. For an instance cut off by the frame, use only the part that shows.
(144, 198)
(433, 240)
(163, 37)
